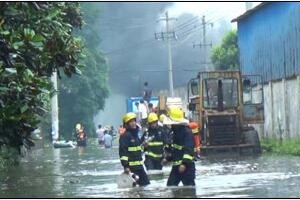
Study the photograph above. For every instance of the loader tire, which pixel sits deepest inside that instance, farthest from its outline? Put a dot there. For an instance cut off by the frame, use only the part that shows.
(251, 137)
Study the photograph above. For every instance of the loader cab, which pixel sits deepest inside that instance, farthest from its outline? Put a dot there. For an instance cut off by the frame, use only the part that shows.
(224, 103)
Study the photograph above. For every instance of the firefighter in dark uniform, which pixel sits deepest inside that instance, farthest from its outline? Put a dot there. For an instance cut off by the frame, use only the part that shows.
(153, 142)
(183, 168)
(130, 150)
(168, 138)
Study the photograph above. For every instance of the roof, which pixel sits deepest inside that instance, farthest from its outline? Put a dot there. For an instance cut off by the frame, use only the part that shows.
(249, 12)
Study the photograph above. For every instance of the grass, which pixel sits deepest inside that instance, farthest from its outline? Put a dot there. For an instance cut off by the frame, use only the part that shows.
(288, 146)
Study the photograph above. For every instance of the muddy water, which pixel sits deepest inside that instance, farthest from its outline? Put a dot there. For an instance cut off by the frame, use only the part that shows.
(92, 171)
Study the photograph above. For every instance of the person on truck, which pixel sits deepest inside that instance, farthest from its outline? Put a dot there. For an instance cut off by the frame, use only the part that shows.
(130, 150)
(154, 142)
(147, 93)
(183, 168)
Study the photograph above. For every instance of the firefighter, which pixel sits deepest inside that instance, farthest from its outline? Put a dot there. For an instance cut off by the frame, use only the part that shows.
(130, 150)
(168, 139)
(153, 142)
(183, 168)
(197, 141)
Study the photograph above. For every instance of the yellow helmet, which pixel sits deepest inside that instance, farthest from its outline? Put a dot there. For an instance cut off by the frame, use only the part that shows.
(176, 114)
(162, 117)
(128, 116)
(152, 117)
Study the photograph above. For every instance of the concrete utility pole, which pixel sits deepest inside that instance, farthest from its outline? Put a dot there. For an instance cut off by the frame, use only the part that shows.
(204, 44)
(168, 34)
(170, 58)
(54, 109)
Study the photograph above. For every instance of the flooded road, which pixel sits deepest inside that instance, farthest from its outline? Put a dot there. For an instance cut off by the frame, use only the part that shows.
(91, 172)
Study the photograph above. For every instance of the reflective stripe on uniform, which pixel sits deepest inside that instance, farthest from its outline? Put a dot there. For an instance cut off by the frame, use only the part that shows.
(153, 154)
(155, 144)
(137, 148)
(177, 162)
(124, 158)
(135, 163)
(187, 156)
(176, 146)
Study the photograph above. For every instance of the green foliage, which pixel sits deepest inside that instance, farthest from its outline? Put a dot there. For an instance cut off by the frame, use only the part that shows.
(225, 56)
(81, 97)
(8, 157)
(35, 40)
(290, 146)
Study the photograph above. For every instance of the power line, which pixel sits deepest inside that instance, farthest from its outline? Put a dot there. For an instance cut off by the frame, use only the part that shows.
(190, 31)
(192, 22)
(184, 23)
(195, 29)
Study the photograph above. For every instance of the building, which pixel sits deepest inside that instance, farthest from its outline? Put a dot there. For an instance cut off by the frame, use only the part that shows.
(269, 40)
(269, 45)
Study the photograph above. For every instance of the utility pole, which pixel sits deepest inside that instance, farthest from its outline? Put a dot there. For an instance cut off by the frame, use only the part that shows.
(204, 44)
(54, 109)
(204, 41)
(169, 35)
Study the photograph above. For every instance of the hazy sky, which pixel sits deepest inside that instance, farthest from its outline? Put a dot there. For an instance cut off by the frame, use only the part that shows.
(212, 10)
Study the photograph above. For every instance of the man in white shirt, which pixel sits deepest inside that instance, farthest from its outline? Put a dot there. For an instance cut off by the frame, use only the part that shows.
(100, 134)
(144, 113)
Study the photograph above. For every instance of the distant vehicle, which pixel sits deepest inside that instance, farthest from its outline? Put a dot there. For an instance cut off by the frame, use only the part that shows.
(130, 102)
(225, 103)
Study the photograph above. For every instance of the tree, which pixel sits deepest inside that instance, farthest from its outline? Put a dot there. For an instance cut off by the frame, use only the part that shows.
(35, 40)
(225, 56)
(81, 97)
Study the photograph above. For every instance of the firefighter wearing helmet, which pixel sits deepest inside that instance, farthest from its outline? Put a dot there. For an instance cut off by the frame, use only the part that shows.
(130, 150)
(154, 141)
(183, 169)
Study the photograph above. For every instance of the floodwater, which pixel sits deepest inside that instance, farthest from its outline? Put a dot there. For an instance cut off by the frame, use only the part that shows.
(91, 173)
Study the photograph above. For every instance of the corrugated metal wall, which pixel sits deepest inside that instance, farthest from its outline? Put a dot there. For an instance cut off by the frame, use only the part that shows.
(269, 41)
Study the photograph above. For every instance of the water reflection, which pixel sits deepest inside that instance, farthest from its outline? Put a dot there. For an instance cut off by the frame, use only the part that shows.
(91, 172)
(58, 179)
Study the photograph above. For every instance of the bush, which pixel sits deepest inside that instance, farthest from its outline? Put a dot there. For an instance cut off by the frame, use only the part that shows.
(290, 146)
